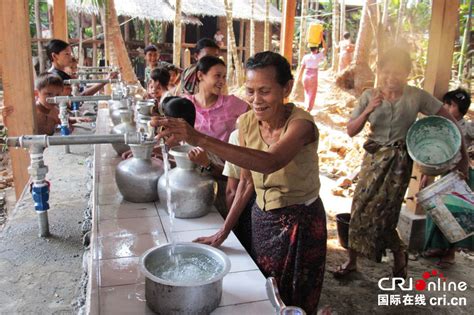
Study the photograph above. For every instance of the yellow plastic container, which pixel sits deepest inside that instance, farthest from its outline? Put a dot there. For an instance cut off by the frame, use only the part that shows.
(314, 34)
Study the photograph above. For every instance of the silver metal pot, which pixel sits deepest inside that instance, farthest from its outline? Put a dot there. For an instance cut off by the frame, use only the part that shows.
(114, 110)
(192, 192)
(125, 126)
(145, 107)
(137, 177)
(193, 297)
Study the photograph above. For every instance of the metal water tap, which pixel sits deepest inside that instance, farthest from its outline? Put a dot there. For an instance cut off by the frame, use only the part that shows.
(37, 143)
(277, 302)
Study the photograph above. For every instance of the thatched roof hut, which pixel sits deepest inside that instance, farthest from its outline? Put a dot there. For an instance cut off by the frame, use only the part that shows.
(163, 10)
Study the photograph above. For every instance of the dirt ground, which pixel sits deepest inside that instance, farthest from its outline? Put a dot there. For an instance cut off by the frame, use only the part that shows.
(44, 276)
(358, 294)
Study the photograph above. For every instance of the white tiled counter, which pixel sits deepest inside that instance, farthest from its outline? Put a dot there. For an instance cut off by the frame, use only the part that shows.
(122, 231)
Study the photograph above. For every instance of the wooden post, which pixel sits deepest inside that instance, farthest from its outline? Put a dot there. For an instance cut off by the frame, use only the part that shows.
(288, 29)
(177, 34)
(60, 20)
(267, 37)
(17, 75)
(94, 37)
(438, 68)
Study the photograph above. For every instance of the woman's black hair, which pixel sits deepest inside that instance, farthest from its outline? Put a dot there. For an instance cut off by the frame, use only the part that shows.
(346, 35)
(179, 107)
(460, 97)
(55, 46)
(314, 48)
(396, 56)
(161, 75)
(270, 59)
(207, 62)
(205, 43)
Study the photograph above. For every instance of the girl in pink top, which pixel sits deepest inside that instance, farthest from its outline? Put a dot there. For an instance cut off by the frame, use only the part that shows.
(216, 114)
(309, 66)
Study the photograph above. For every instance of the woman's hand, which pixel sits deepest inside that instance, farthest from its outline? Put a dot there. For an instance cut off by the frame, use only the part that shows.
(113, 75)
(127, 154)
(199, 156)
(175, 130)
(214, 240)
(375, 101)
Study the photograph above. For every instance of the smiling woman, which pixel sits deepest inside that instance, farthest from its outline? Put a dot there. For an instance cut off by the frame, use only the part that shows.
(278, 156)
(216, 114)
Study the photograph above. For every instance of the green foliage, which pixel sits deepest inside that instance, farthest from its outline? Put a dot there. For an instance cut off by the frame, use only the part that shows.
(43, 16)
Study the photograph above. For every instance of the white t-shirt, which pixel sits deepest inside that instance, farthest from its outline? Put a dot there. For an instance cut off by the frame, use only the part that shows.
(311, 61)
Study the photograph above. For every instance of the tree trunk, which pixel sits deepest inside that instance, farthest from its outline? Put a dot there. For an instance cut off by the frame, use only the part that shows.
(119, 49)
(39, 35)
(359, 76)
(147, 33)
(385, 14)
(335, 34)
(252, 28)
(401, 14)
(80, 35)
(266, 33)
(177, 34)
(464, 45)
(301, 46)
(94, 37)
(343, 19)
(231, 47)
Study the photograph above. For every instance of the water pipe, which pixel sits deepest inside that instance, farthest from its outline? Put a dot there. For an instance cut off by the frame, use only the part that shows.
(37, 143)
(86, 81)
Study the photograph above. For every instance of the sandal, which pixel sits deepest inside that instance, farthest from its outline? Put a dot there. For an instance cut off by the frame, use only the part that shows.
(342, 272)
(403, 271)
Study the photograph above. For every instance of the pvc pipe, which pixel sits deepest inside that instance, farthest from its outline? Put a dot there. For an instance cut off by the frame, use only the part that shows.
(43, 224)
(86, 81)
(91, 72)
(95, 98)
(46, 141)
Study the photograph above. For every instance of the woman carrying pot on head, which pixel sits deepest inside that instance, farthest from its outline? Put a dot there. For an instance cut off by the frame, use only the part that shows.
(391, 109)
(278, 156)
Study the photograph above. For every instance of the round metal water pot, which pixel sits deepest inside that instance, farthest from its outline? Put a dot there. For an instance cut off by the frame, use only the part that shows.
(124, 127)
(166, 297)
(137, 177)
(192, 192)
(114, 110)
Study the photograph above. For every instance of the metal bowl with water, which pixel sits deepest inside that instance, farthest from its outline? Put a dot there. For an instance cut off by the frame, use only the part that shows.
(183, 296)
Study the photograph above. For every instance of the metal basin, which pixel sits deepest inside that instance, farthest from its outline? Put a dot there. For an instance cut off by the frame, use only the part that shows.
(183, 297)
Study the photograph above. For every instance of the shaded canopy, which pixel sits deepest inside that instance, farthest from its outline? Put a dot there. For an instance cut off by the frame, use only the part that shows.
(163, 10)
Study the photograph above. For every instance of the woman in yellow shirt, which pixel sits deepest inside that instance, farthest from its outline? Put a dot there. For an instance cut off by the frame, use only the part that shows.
(279, 161)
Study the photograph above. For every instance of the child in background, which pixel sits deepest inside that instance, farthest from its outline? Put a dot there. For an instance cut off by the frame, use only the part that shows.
(47, 114)
(158, 85)
(175, 73)
(219, 38)
(152, 57)
(457, 102)
(47, 85)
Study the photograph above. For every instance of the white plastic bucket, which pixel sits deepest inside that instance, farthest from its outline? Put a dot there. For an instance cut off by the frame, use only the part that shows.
(431, 199)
